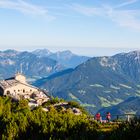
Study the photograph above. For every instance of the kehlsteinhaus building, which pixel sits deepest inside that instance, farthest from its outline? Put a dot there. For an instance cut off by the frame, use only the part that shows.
(17, 88)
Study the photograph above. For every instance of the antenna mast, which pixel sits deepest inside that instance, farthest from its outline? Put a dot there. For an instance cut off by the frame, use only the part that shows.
(21, 68)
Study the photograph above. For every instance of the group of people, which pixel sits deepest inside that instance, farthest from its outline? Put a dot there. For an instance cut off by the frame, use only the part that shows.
(99, 118)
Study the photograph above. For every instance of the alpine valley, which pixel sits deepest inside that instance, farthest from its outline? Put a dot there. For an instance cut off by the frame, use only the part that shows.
(100, 84)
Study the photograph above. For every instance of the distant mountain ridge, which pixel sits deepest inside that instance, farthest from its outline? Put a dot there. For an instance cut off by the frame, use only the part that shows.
(12, 61)
(66, 58)
(99, 82)
(42, 52)
(35, 64)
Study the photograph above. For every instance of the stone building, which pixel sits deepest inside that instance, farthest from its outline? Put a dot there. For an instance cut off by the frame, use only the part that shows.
(17, 88)
(16, 85)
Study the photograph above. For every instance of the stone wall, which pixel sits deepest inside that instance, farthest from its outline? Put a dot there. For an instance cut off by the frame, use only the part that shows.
(20, 89)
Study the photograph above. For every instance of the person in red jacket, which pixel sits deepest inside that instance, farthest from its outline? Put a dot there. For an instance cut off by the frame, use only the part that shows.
(98, 117)
(108, 116)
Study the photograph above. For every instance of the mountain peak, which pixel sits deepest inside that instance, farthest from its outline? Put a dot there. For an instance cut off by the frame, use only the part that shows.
(9, 53)
(134, 53)
(67, 52)
(42, 52)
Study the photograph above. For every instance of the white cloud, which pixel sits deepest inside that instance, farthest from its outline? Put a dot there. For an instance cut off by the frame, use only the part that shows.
(128, 2)
(24, 7)
(125, 18)
(88, 11)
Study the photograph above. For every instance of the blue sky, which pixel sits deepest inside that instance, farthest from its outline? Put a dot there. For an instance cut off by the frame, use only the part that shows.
(90, 27)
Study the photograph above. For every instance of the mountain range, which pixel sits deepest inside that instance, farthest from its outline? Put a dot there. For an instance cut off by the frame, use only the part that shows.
(98, 83)
(66, 58)
(108, 83)
(36, 64)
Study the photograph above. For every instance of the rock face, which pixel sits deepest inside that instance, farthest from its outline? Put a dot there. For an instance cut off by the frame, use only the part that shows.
(129, 64)
(99, 82)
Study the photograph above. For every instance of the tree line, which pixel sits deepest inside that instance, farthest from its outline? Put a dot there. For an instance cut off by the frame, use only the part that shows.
(19, 122)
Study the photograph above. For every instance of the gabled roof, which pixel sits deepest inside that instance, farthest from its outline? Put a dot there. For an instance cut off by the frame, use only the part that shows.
(8, 83)
(4, 84)
(11, 78)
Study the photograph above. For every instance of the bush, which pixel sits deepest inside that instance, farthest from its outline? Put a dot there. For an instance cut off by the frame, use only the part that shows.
(18, 122)
(125, 131)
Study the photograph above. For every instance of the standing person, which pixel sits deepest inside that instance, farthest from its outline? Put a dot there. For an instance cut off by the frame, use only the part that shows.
(98, 117)
(108, 116)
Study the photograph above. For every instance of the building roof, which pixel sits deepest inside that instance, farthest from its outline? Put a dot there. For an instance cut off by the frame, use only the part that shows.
(10, 82)
(11, 78)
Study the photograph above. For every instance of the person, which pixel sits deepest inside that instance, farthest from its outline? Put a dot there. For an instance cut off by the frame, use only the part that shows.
(98, 117)
(108, 116)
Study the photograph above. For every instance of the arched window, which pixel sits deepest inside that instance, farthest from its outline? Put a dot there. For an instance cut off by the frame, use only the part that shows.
(23, 90)
(8, 92)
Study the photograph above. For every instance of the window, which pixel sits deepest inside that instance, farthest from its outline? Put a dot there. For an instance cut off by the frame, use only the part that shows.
(8, 92)
(23, 90)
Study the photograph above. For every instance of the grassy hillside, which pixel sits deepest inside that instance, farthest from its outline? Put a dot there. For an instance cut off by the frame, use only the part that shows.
(99, 82)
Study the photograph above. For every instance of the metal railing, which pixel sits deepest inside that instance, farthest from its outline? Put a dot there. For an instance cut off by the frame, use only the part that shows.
(125, 117)
(121, 117)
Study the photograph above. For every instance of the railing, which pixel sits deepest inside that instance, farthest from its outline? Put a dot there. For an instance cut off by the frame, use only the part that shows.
(121, 117)
(126, 117)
